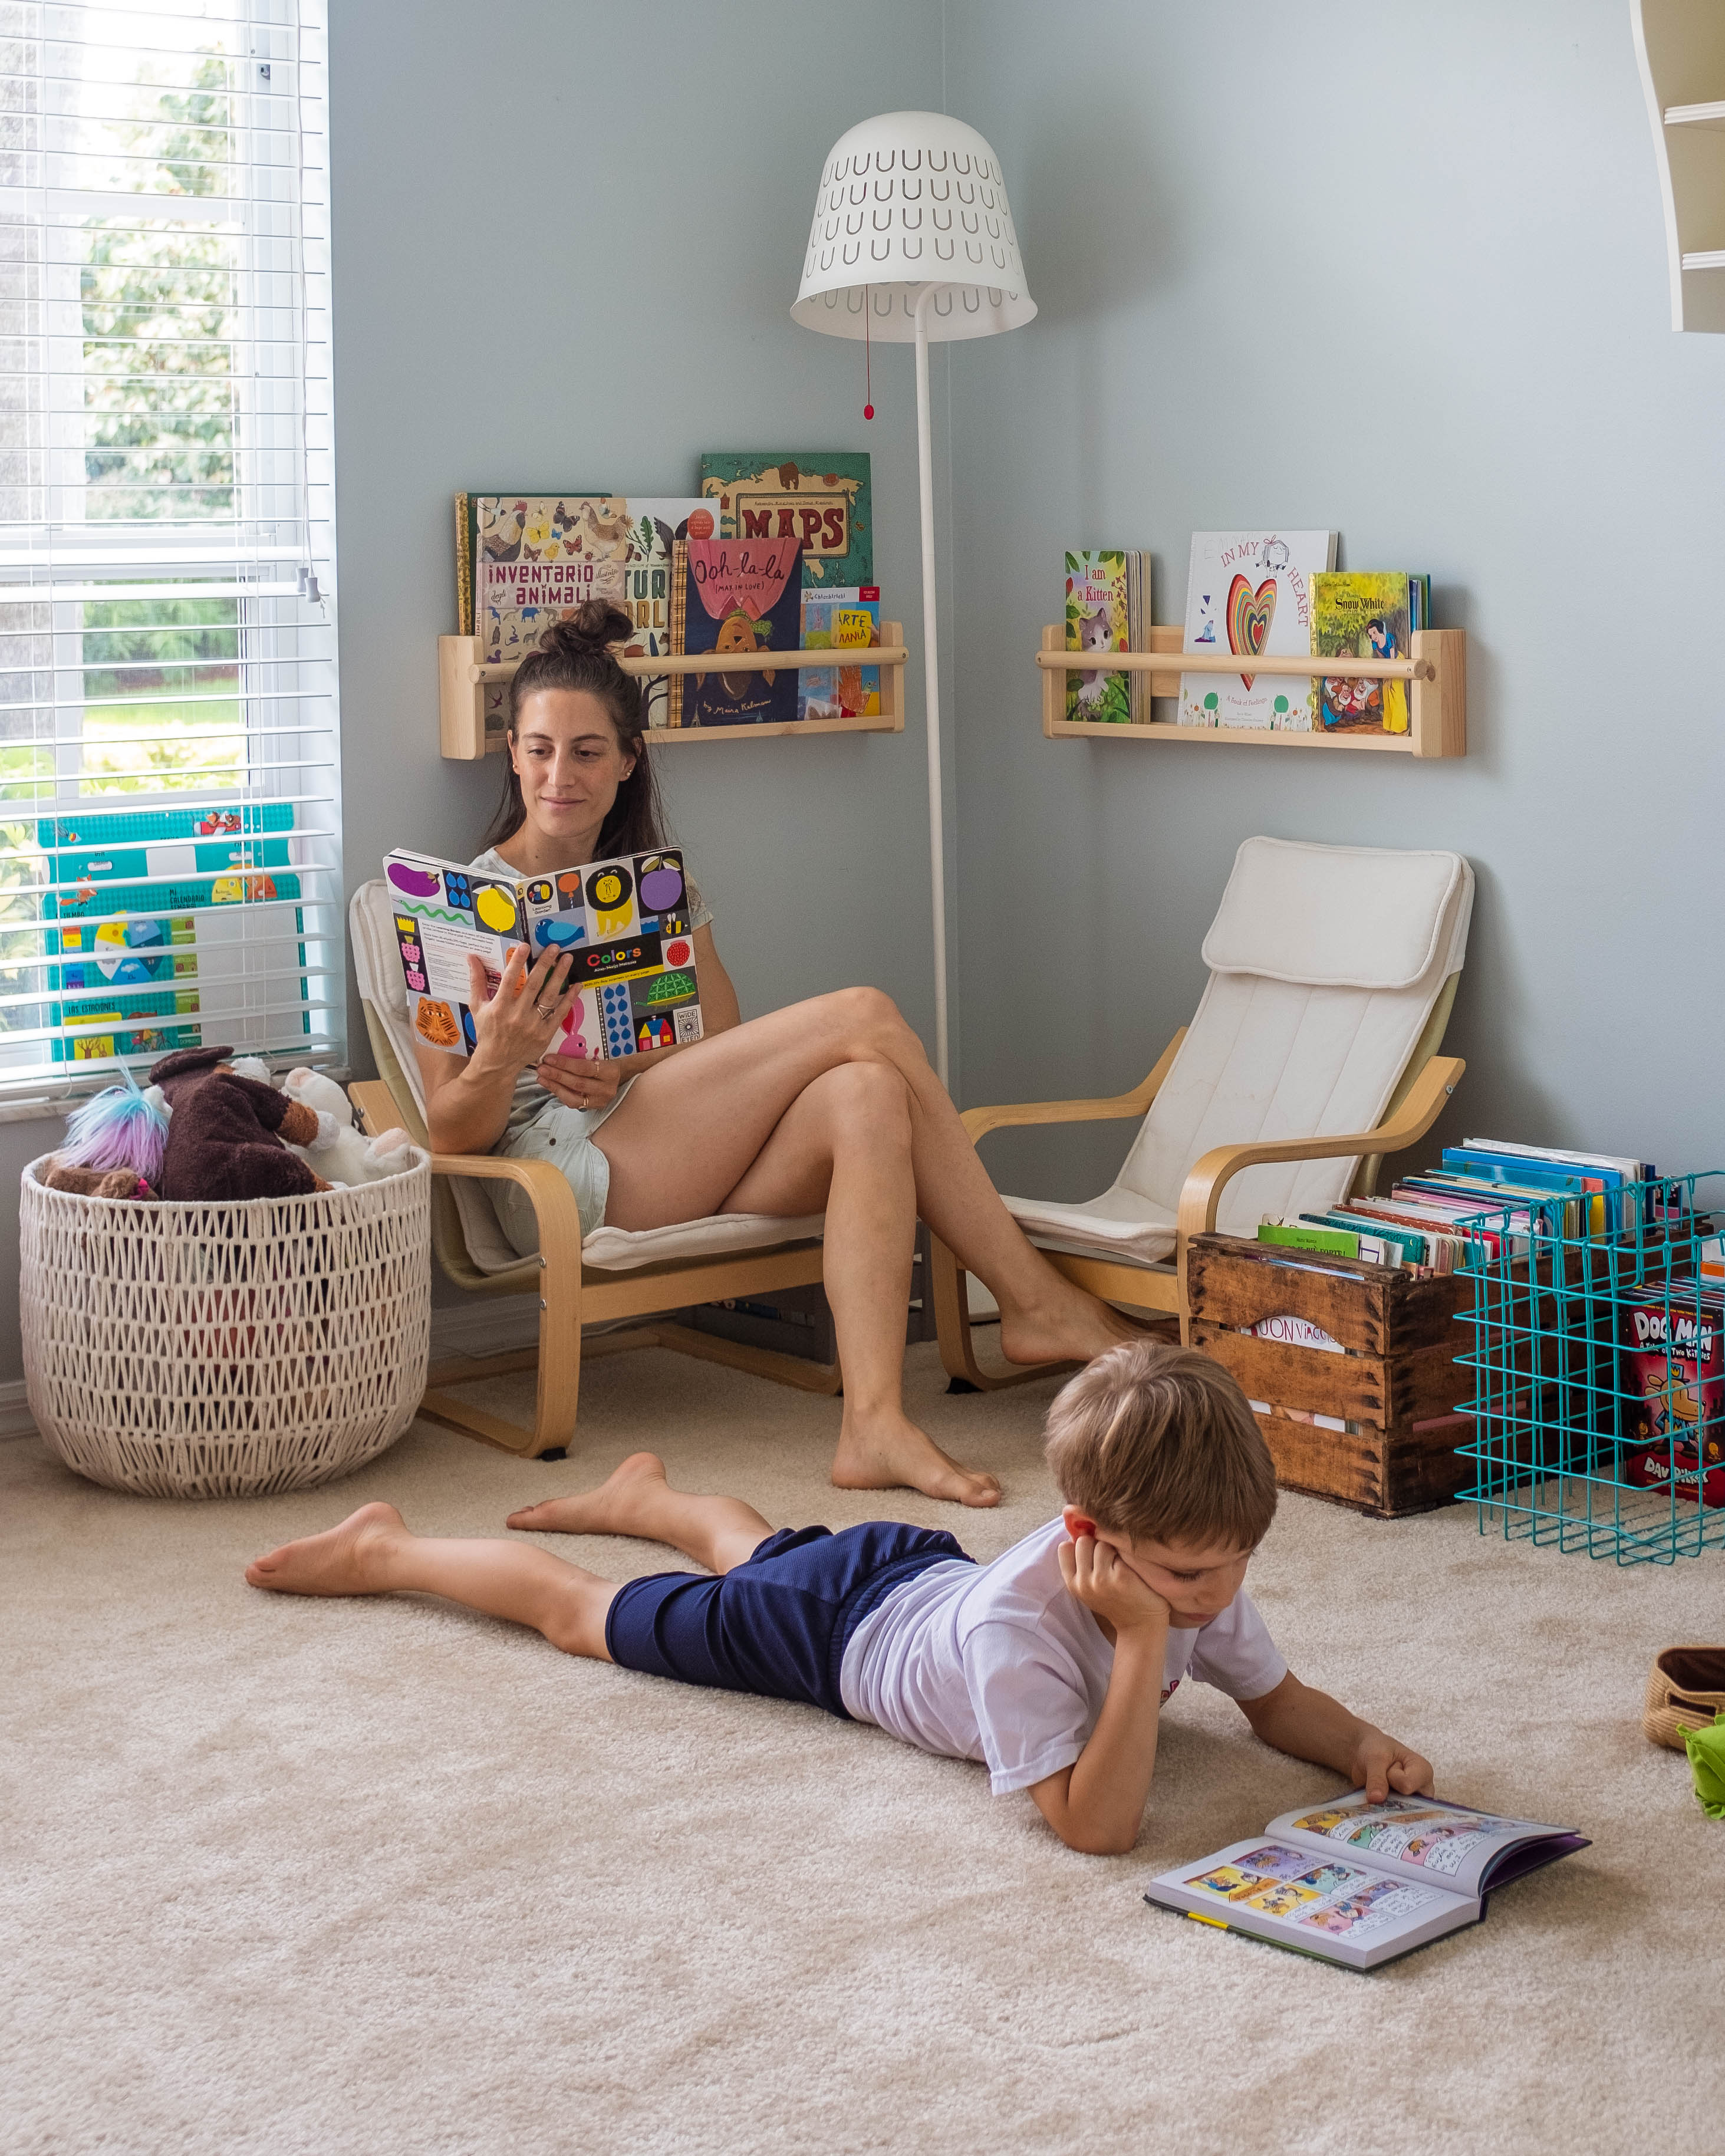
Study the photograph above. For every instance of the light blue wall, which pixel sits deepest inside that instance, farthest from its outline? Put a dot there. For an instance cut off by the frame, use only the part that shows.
(1398, 269)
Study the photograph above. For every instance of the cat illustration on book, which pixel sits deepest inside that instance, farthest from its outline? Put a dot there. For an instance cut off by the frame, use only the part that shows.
(1095, 633)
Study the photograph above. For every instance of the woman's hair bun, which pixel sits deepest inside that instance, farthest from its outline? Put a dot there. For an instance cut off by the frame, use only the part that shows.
(592, 626)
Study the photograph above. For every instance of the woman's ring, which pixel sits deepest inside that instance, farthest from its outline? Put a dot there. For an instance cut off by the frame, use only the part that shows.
(543, 1012)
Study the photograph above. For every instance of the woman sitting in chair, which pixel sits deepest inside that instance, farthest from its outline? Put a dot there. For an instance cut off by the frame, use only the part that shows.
(827, 1107)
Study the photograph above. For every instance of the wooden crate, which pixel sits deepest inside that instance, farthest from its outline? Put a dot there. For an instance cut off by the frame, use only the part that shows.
(1400, 1338)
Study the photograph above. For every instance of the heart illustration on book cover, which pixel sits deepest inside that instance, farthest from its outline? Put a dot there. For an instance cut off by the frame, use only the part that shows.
(1250, 614)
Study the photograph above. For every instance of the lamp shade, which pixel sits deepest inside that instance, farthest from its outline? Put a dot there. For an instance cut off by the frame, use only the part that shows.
(906, 200)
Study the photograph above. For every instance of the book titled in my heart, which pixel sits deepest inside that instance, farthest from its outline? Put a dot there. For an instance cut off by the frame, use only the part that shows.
(1249, 594)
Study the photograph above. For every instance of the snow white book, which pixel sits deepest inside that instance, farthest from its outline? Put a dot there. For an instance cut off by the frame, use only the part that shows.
(1360, 1883)
(624, 922)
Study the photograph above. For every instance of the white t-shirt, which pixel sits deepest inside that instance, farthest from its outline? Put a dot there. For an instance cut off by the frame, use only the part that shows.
(999, 1662)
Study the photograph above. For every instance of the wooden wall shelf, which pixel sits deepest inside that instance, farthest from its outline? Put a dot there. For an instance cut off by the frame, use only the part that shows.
(1679, 49)
(463, 678)
(1435, 672)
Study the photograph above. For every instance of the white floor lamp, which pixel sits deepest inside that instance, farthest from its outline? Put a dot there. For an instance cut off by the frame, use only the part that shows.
(912, 243)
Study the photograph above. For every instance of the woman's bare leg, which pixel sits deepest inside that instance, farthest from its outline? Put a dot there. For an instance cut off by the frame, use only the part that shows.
(843, 1146)
(720, 1532)
(689, 1128)
(373, 1552)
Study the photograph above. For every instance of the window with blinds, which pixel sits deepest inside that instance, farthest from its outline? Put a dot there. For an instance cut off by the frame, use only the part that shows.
(169, 864)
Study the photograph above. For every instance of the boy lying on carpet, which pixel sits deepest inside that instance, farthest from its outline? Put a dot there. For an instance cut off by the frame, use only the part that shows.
(1051, 1663)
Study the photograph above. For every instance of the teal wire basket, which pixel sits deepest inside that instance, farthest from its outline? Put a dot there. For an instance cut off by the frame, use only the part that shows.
(1598, 1367)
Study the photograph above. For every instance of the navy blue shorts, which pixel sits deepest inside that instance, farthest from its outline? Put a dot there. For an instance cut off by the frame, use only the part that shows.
(779, 1623)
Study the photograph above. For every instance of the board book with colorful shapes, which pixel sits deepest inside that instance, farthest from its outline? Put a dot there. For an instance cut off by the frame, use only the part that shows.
(624, 921)
(1360, 1883)
(1249, 594)
(816, 499)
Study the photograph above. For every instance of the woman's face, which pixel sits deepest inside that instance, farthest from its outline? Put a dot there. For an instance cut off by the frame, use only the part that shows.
(565, 754)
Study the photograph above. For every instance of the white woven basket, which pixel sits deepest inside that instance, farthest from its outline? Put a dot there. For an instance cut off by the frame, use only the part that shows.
(226, 1351)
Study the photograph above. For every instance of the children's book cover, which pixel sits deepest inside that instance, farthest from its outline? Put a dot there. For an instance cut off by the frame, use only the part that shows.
(526, 561)
(1361, 614)
(817, 499)
(1249, 594)
(742, 595)
(1098, 618)
(1673, 1364)
(624, 922)
(845, 622)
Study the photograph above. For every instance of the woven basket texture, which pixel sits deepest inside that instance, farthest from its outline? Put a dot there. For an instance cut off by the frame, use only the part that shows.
(226, 1351)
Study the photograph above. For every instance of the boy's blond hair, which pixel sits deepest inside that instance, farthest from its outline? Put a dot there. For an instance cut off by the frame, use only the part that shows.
(1158, 1443)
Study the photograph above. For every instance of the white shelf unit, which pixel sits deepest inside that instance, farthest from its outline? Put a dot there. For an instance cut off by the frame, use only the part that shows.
(1680, 47)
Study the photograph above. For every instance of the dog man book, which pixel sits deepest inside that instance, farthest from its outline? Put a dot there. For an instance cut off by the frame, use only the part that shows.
(625, 922)
(1361, 1883)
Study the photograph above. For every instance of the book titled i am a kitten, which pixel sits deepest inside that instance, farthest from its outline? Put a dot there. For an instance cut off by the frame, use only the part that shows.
(1097, 620)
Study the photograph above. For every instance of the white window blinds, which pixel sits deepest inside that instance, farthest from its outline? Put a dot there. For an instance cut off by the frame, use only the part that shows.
(169, 865)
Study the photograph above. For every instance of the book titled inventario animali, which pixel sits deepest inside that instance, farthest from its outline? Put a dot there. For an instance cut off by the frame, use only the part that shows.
(624, 924)
(1359, 1883)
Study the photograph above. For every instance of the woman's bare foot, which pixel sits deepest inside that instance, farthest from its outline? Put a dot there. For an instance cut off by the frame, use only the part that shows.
(618, 1507)
(899, 1456)
(1076, 1329)
(342, 1560)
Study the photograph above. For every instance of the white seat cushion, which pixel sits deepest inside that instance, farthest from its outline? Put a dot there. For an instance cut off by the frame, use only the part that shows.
(1118, 1225)
(377, 965)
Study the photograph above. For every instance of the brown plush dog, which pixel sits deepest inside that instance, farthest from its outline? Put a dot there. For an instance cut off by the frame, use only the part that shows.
(228, 1137)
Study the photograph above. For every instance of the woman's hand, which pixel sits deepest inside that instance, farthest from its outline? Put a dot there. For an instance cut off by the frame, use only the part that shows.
(516, 1021)
(580, 1081)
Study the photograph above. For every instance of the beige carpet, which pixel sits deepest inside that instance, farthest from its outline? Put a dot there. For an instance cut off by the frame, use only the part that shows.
(384, 1877)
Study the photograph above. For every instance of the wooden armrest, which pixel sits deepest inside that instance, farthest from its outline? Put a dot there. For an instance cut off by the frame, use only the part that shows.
(980, 1121)
(547, 1187)
(1205, 1184)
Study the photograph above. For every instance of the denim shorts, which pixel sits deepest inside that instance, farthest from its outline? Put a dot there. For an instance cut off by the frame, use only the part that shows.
(778, 1623)
(563, 1136)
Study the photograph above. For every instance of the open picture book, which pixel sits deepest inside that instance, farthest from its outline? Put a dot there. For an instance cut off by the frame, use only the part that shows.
(625, 923)
(1361, 1883)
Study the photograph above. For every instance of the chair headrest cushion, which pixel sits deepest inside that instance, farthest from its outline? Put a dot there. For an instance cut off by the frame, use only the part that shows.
(1342, 916)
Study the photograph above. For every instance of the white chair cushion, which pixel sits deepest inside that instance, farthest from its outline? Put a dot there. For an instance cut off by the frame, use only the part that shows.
(376, 965)
(1118, 1225)
(1341, 917)
(1272, 1052)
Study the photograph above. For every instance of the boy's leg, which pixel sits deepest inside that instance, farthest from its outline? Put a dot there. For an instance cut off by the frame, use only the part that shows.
(720, 1532)
(373, 1552)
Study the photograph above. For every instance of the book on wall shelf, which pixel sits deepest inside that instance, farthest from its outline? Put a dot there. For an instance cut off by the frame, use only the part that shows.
(818, 500)
(742, 595)
(1365, 613)
(1359, 1883)
(1249, 594)
(847, 622)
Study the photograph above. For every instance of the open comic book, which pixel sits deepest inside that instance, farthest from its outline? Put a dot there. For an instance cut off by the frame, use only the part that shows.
(1361, 1883)
(625, 923)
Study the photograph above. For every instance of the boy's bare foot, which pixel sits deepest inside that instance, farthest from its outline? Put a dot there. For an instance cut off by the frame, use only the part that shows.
(342, 1560)
(618, 1507)
(899, 1456)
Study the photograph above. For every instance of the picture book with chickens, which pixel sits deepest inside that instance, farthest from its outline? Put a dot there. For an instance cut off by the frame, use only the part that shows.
(624, 923)
(1249, 594)
(1359, 1883)
(741, 595)
(1098, 618)
(818, 499)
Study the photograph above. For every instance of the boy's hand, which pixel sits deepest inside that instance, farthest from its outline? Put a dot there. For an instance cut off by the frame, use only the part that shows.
(1381, 1764)
(1097, 1576)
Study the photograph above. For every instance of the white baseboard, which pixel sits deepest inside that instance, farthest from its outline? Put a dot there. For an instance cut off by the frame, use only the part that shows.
(16, 1419)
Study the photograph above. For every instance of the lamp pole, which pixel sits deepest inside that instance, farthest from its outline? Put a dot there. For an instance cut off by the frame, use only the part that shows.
(931, 686)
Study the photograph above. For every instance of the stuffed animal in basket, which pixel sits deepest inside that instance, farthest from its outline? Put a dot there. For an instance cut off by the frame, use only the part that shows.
(229, 1135)
(114, 1144)
(339, 1151)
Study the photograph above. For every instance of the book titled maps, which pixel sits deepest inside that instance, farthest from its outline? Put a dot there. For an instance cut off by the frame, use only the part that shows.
(1249, 594)
(741, 595)
(525, 561)
(1366, 614)
(846, 623)
(1359, 1883)
(817, 499)
(624, 923)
